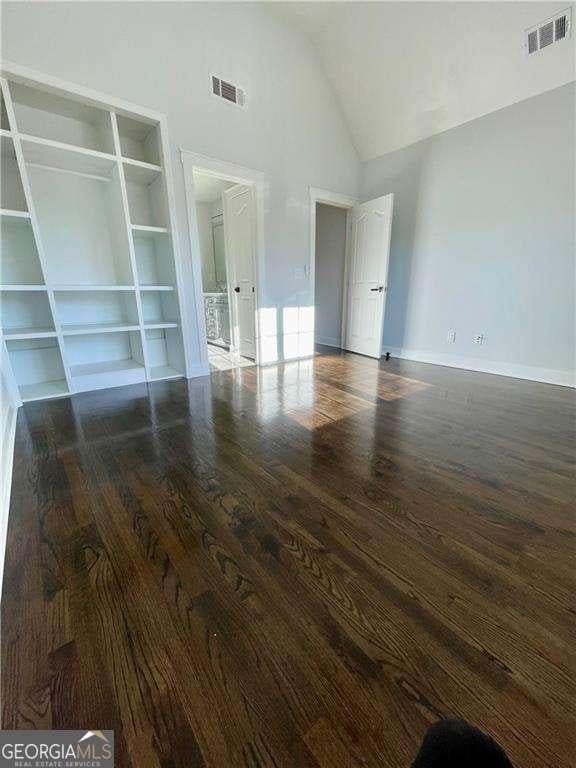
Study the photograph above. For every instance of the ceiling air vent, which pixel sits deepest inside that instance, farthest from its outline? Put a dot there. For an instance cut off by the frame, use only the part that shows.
(550, 31)
(227, 91)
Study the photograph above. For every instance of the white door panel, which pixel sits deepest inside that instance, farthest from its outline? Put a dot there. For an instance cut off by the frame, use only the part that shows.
(368, 274)
(239, 227)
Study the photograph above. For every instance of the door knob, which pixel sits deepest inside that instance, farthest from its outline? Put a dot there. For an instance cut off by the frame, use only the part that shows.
(379, 289)
(237, 289)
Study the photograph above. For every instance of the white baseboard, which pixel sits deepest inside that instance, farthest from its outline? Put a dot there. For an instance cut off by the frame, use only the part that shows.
(6, 463)
(532, 373)
(328, 341)
(198, 370)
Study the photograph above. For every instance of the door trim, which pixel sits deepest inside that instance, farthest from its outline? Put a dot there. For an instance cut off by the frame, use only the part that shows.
(221, 169)
(337, 201)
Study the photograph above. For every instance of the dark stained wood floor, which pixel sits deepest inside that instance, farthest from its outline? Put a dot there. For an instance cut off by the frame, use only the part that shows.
(302, 566)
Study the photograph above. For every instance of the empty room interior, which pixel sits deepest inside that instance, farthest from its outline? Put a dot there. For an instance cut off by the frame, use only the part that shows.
(287, 341)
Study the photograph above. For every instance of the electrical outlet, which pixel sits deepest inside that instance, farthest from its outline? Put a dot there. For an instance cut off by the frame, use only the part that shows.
(479, 338)
(451, 337)
(299, 273)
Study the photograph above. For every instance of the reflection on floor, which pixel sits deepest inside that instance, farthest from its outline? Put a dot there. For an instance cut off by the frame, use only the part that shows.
(298, 565)
(221, 359)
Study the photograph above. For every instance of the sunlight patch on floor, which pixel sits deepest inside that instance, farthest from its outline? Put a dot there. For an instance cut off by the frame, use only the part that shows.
(303, 392)
(221, 359)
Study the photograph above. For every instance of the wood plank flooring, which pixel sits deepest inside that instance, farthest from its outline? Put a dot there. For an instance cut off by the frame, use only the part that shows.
(301, 566)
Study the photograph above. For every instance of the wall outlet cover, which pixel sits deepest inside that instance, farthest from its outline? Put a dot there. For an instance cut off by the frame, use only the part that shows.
(479, 338)
(451, 337)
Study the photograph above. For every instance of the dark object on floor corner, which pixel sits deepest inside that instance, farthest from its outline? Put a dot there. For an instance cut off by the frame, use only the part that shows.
(456, 744)
(387, 355)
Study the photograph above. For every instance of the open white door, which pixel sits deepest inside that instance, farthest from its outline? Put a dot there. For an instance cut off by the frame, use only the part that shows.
(239, 231)
(367, 275)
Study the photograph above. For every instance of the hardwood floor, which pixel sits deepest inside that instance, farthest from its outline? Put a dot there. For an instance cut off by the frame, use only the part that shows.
(300, 566)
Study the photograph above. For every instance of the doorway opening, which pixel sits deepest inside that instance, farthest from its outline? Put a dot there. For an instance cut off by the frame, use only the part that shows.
(224, 201)
(329, 242)
(330, 268)
(220, 242)
(350, 247)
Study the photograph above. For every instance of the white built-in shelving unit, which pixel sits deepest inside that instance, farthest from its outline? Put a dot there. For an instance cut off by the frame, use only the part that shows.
(89, 283)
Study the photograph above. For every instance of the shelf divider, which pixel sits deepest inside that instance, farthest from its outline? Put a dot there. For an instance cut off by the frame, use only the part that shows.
(14, 214)
(126, 217)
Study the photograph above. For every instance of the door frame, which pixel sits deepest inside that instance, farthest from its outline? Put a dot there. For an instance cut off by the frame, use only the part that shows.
(336, 200)
(256, 180)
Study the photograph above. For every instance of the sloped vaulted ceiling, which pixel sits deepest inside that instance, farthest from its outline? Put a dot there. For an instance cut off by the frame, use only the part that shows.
(405, 71)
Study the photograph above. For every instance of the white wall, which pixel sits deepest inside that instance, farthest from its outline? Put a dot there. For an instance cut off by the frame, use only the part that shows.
(330, 255)
(483, 241)
(160, 55)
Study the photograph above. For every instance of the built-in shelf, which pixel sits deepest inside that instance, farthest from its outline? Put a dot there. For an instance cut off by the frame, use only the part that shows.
(44, 390)
(37, 367)
(23, 287)
(29, 333)
(12, 197)
(144, 229)
(53, 116)
(112, 366)
(139, 139)
(67, 157)
(164, 372)
(139, 172)
(64, 287)
(6, 214)
(20, 261)
(89, 298)
(77, 329)
(156, 287)
(159, 324)
(25, 315)
(164, 352)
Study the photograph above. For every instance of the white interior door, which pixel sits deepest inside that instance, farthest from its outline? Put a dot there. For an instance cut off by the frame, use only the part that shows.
(239, 230)
(367, 275)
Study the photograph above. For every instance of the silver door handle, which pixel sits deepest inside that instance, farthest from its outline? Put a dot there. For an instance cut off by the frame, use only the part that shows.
(379, 289)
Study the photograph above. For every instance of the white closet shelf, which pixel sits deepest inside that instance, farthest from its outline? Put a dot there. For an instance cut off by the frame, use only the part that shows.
(109, 366)
(29, 333)
(44, 390)
(153, 324)
(164, 372)
(113, 373)
(5, 132)
(5, 212)
(23, 287)
(58, 156)
(138, 172)
(77, 329)
(156, 287)
(143, 229)
(85, 287)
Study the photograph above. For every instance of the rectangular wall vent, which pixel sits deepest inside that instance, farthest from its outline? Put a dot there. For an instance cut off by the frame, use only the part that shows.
(227, 91)
(550, 31)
